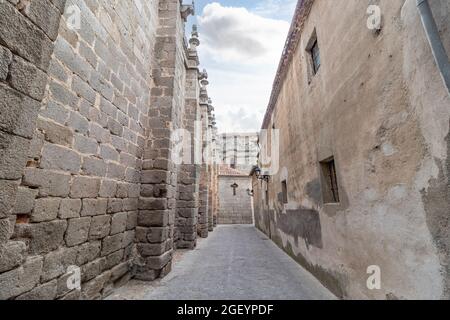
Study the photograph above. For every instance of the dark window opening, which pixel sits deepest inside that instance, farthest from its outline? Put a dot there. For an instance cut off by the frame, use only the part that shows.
(330, 187)
(315, 55)
(284, 191)
(267, 194)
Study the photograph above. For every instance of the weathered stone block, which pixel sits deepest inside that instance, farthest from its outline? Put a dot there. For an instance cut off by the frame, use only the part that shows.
(24, 200)
(132, 220)
(130, 204)
(158, 262)
(88, 54)
(85, 145)
(43, 237)
(98, 133)
(78, 123)
(132, 175)
(72, 295)
(112, 260)
(155, 176)
(69, 208)
(122, 190)
(13, 255)
(94, 207)
(58, 158)
(151, 249)
(92, 269)
(57, 71)
(156, 218)
(62, 288)
(94, 167)
(45, 16)
(88, 252)
(108, 188)
(65, 53)
(128, 238)
(83, 89)
(7, 196)
(152, 204)
(187, 212)
(28, 79)
(93, 289)
(49, 183)
(157, 235)
(119, 222)
(108, 108)
(108, 153)
(111, 244)
(100, 227)
(21, 36)
(63, 95)
(59, 4)
(5, 61)
(13, 155)
(77, 231)
(114, 205)
(119, 271)
(85, 187)
(46, 209)
(119, 143)
(5, 232)
(141, 234)
(19, 112)
(99, 84)
(55, 112)
(55, 133)
(57, 262)
(116, 171)
(115, 127)
(20, 280)
(46, 291)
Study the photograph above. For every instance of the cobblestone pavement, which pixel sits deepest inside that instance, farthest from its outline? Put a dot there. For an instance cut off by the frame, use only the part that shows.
(235, 262)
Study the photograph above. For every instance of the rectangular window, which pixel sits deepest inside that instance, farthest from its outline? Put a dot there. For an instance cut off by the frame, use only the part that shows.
(315, 55)
(267, 194)
(284, 191)
(330, 187)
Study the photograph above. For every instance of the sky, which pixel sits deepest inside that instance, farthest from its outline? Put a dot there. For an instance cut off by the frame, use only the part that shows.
(241, 45)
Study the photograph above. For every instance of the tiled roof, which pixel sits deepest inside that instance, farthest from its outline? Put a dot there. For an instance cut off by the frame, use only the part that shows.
(225, 170)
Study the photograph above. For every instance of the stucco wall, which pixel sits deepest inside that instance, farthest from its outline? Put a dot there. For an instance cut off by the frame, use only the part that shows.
(379, 106)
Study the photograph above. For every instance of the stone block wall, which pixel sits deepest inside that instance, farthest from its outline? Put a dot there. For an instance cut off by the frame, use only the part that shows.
(235, 208)
(27, 41)
(189, 173)
(89, 104)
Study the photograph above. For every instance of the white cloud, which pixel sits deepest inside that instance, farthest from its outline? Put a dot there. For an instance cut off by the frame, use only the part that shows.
(237, 35)
(281, 8)
(241, 51)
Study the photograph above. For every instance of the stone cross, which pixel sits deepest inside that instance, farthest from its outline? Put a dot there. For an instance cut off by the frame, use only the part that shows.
(234, 186)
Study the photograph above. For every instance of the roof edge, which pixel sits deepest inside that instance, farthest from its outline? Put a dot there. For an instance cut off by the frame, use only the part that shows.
(301, 13)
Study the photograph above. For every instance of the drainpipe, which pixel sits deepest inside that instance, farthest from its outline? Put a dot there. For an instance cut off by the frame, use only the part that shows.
(435, 41)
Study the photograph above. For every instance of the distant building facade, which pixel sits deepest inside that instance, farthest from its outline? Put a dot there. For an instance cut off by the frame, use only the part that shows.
(239, 150)
(235, 199)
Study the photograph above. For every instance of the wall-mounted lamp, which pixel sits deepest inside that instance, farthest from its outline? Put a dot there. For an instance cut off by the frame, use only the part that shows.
(261, 176)
(251, 193)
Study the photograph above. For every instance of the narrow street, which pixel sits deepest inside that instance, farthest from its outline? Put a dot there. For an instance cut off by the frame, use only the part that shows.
(235, 262)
